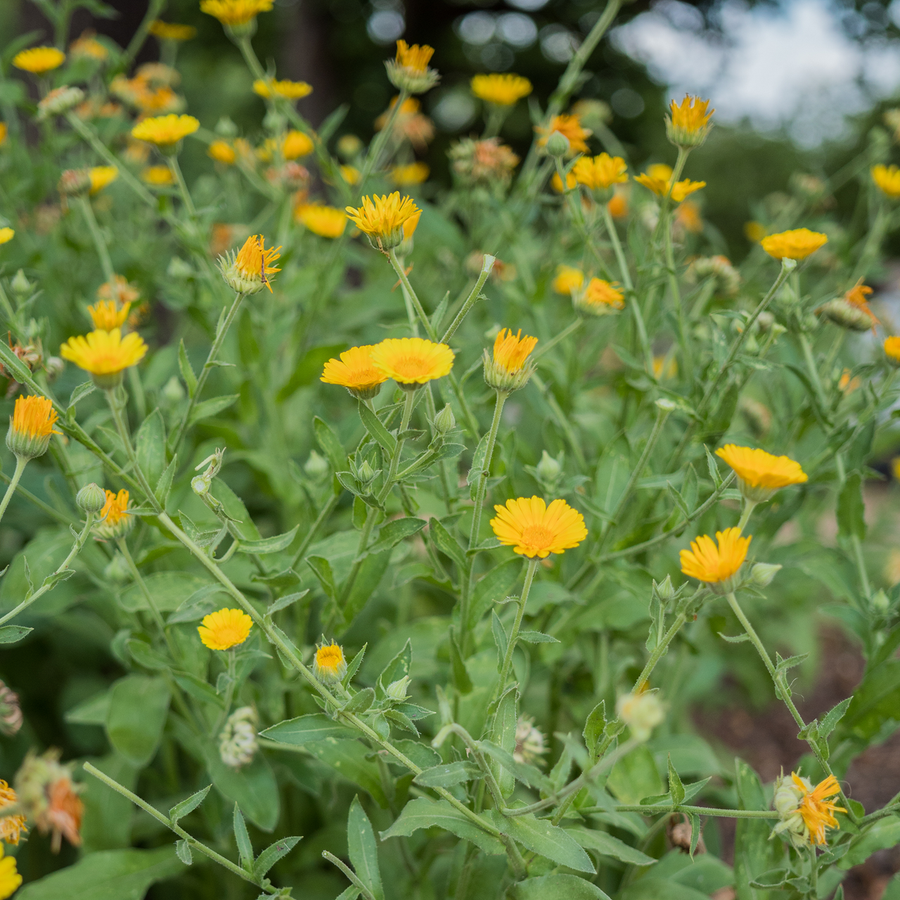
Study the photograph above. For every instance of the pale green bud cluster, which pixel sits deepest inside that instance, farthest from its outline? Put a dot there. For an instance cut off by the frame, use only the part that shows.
(237, 741)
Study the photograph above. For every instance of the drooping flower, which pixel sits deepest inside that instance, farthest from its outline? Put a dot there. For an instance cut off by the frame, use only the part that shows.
(534, 529)
(105, 354)
(172, 31)
(50, 798)
(409, 70)
(805, 811)
(30, 427)
(716, 565)
(39, 60)
(569, 126)
(413, 173)
(325, 221)
(796, 244)
(568, 279)
(892, 350)
(355, 371)
(382, 218)
(599, 298)
(165, 131)
(501, 90)
(688, 123)
(412, 361)
(237, 741)
(225, 629)
(10, 879)
(887, 179)
(11, 827)
(249, 269)
(509, 369)
(235, 12)
(600, 173)
(222, 152)
(761, 474)
(289, 90)
(296, 145)
(101, 176)
(655, 179)
(330, 664)
(852, 310)
(115, 519)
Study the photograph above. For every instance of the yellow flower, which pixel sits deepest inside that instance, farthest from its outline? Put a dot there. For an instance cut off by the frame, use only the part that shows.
(501, 90)
(761, 474)
(717, 566)
(290, 90)
(411, 224)
(567, 279)
(325, 221)
(661, 185)
(223, 152)
(350, 174)
(688, 217)
(892, 350)
(11, 827)
(39, 60)
(10, 879)
(557, 185)
(3, 130)
(412, 361)
(796, 244)
(225, 629)
(804, 810)
(414, 173)
(600, 172)
(409, 70)
(599, 298)
(115, 519)
(330, 664)
(382, 218)
(355, 371)
(509, 369)
(569, 126)
(754, 231)
(165, 131)
(688, 124)
(105, 354)
(235, 12)
(297, 144)
(887, 178)
(248, 271)
(6, 234)
(88, 47)
(534, 529)
(30, 427)
(101, 176)
(158, 176)
(415, 57)
(107, 315)
(172, 31)
(618, 206)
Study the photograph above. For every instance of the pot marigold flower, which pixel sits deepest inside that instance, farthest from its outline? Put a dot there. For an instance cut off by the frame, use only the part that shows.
(105, 354)
(600, 173)
(325, 221)
(248, 271)
(6, 234)
(30, 427)
(106, 315)
(10, 879)
(224, 629)
(172, 31)
(158, 176)
(235, 12)
(661, 185)
(101, 176)
(688, 124)
(49, 797)
(485, 162)
(567, 280)
(569, 126)
(382, 218)
(409, 69)
(892, 350)
(412, 361)
(599, 298)
(355, 371)
(223, 152)
(796, 244)
(761, 474)
(115, 519)
(297, 144)
(805, 811)
(330, 664)
(88, 47)
(289, 90)
(414, 173)
(852, 310)
(509, 369)
(165, 131)
(887, 179)
(536, 530)
(119, 290)
(714, 565)
(350, 174)
(11, 827)
(557, 185)
(39, 60)
(618, 206)
(501, 90)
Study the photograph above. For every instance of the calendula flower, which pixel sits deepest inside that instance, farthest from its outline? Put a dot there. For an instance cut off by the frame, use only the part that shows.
(501, 90)
(727, 278)
(412, 361)
(107, 315)
(39, 60)
(59, 101)
(158, 176)
(755, 231)
(887, 179)
(852, 310)
(222, 152)
(11, 827)
(6, 234)
(618, 205)
(530, 743)
(716, 565)
(688, 123)
(101, 176)
(30, 427)
(4, 129)
(172, 31)
(534, 529)
(409, 70)
(350, 174)
(796, 244)
(599, 298)
(289, 90)
(567, 280)
(662, 186)
(569, 126)
(120, 291)
(237, 741)
(115, 519)
(414, 173)
(761, 474)
(325, 221)
(329, 665)
(235, 13)
(805, 811)
(297, 144)
(600, 173)
(165, 131)
(10, 711)
(86, 46)
(225, 629)
(509, 369)
(10, 879)
(486, 162)
(688, 217)
(641, 711)
(355, 371)
(49, 797)
(557, 184)
(105, 354)
(892, 350)
(248, 271)
(382, 218)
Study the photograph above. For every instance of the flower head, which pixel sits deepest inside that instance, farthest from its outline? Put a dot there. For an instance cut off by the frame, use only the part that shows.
(892, 350)
(39, 60)
(599, 298)
(796, 244)
(222, 152)
(688, 123)
(714, 565)
(6, 234)
(330, 664)
(165, 131)
(249, 269)
(237, 741)
(158, 176)
(486, 162)
(119, 291)
(11, 827)
(761, 474)
(30, 427)
(10, 879)
(86, 46)
(289, 90)
(172, 31)
(225, 629)
(852, 310)
(355, 371)
(805, 811)
(409, 69)
(107, 315)
(101, 176)
(509, 369)
(568, 279)
(414, 173)
(325, 221)
(557, 184)
(530, 742)
(600, 173)
(412, 361)
(296, 145)
(235, 13)
(655, 179)
(641, 711)
(887, 179)
(382, 218)
(49, 797)
(115, 519)
(569, 126)
(501, 90)
(105, 354)
(534, 529)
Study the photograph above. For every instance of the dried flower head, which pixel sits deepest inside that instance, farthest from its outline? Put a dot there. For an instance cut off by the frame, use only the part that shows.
(382, 218)
(716, 565)
(501, 90)
(356, 371)
(641, 711)
(59, 101)
(50, 798)
(530, 743)
(760, 475)
(509, 368)
(10, 711)
(248, 271)
(39, 60)
(805, 811)
(237, 741)
(30, 427)
(104, 354)
(796, 244)
(409, 70)
(534, 529)
(330, 664)
(225, 629)
(412, 361)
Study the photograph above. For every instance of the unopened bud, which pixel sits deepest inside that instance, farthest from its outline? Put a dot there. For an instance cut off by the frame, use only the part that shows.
(880, 602)
(365, 473)
(226, 128)
(396, 690)
(444, 421)
(59, 101)
(20, 284)
(762, 574)
(548, 469)
(172, 391)
(558, 145)
(666, 590)
(91, 498)
(316, 467)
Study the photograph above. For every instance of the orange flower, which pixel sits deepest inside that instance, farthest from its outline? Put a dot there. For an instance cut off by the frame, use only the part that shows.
(534, 529)
(714, 565)
(568, 125)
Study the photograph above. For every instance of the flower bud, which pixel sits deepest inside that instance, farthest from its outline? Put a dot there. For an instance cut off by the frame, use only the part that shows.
(880, 602)
(117, 570)
(329, 664)
(30, 427)
(226, 128)
(558, 145)
(762, 574)
(445, 421)
(365, 473)
(237, 741)
(316, 467)
(10, 711)
(74, 182)
(845, 314)
(530, 744)
(59, 101)
(548, 470)
(396, 690)
(641, 712)
(20, 284)
(91, 498)
(666, 590)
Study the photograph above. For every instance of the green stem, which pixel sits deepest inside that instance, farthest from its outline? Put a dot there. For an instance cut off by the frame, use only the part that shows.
(813, 873)
(813, 372)
(231, 670)
(561, 420)
(409, 401)
(749, 506)
(148, 596)
(154, 8)
(404, 280)
(696, 810)
(547, 346)
(182, 187)
(97, 237)
(487, 264)
(659, 651)
(21, 462)
(514, 634)
(116, 400)
(624, 272)
(349, 874)
(377, 146)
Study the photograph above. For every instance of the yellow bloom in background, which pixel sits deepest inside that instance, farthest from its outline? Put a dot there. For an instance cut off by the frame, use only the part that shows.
(165, 131)
(887, 179)
(761, 474)
(501, 90)
(235, 12)
(382, 218)
(600, 172)
(412, 361)
(248, 271)
(119, 290)
(688, 217)
(289, 90)
(509, 369)
(88, 47)
(411, 224)
(158, 176)
(568, 125)
(892, 350)
(11, 827)
(557, 185)
(107, 315)
(6, 234)
(350, 174)
(599, 298)
(716, 565)
(172, 31)
(567, 279)
(3, 132)
(356, 371)
(688, 122)
(662, 185)
(796, 244)
(330, 664)
(10, 879)
(409, 69)
(30, 427)
(297, 144)
(39, 60)
(414, 173)
(534, 529)
(754, 231)
(325, 221)
(101, 176)
(225, 629)
(223, 152)
(618, 206)
(105, 354)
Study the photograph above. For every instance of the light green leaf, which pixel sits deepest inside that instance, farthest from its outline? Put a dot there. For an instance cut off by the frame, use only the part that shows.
(138, 707)
(545, 839)
(363, 850)
(607, 845)
(422, 813)
(557, 887)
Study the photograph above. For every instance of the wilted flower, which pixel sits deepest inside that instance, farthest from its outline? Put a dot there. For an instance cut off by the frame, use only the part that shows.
(237, 741)
(804, 810)
(59, 101)
(11, 826)
(641, 711)
(225, 629)
(501, 90)
(852, 310)
(530, 745)
(10, 711)
(534, 529)
(415, 127)
(49, 797)
(716, 565)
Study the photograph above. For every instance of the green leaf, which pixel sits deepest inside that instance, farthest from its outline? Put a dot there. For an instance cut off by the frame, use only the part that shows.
(448, 544)
(367, 580)
(350, 760)
(376, 429)
(834, 715)
(183, 849)
(273, 544)
(180, 810)
(144, 655)
(138, 707)
(537, 637)
(635, 776)
(360, 701)
(285, 601)
(150, 445)
(242, 837)
(461, 680)
(594, 726)
(524, 772)
(500, 638)
(322, 570)
(307, 730)
(330, 445)
(211, 407)
(391, 533)
(199, 604)
(309, 367)
(252, 787)
(398, 667)
(649, 888)
(272, 854)
(11, 634)
(496, 585)
(607, 845)
(676, 788)
(363, 850)
(851, 508)
(448, 774)
(81, 391)
(558, 887)
(187, 373)
(880, 836)
(504, 736)
(164, 485)
(545, 839)
(423, 813)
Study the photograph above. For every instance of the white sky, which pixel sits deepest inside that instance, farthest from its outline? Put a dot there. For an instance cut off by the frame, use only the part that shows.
(792, 66)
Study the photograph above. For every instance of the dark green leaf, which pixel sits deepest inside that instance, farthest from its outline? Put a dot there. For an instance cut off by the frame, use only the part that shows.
(307, 730)
(851, 508)
(274, 544)
(211, 407)
(557, 887)
(545, 839)
(363, 850)
(422, 813)
(376, 429)
(272, 854)
(242, 836)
